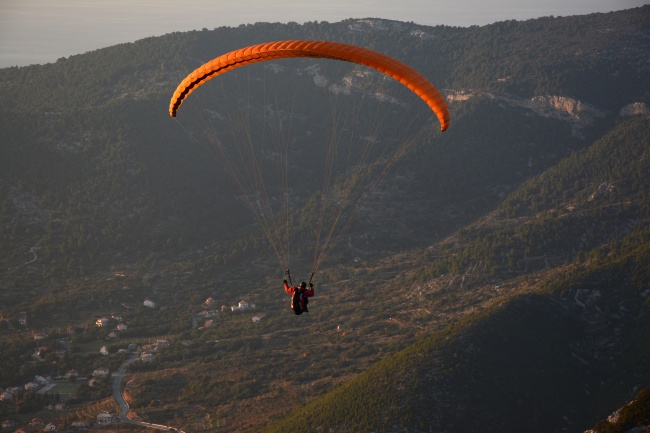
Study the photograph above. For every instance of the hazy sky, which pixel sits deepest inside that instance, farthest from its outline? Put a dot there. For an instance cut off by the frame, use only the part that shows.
(41, 31)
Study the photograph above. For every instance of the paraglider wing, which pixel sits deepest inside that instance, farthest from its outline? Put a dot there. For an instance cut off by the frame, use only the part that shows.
(321, 49)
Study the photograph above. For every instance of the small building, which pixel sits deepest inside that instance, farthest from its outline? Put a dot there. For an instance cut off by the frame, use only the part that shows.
(49, 427)
(104, 418)
(8, 423)
(42, 380)
(81, 424)
(104, 350)
(101, 372)
(22, 318)
(149, 303)
(102, 322)
(121, 327)
(71, 373)
(36, 422)
(32, 385)
(39, 336)
(4, 396)
(209, 302)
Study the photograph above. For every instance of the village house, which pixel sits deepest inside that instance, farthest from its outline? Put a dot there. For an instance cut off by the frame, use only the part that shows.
(256, 319)
(104, 418)
(102, 322)
(22, 318)
(205, 314)
(6, 395)
(121, 327)
(243, 305)
(81, 424)
(209, 302)
(36, 422)
(100, 372)
(7, 424)
(104, 350)
(149, 303)
(49, 427)
(32, 385)
(147, 357)
(42, 380)
(15, 390)
(112, 335)
(38, 336)
(71, 373)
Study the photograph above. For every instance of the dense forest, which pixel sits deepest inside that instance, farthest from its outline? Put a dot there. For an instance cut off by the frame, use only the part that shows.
(494, 276)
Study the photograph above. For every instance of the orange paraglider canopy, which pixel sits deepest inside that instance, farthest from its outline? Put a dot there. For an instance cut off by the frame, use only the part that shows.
(321, 49)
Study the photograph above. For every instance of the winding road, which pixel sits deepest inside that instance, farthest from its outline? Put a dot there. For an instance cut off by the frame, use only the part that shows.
(116, 382)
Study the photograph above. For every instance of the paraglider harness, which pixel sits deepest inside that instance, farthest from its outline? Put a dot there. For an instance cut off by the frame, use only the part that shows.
(297, 295)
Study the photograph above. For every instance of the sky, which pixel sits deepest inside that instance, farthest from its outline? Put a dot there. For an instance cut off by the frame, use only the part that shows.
(42, 31)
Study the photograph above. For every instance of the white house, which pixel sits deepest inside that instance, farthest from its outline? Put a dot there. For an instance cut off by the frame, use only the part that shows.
(104, 350)
(32, 385)
(149, 303)
(71, 373)
(104, 418)
(50, 427)
(243, 305)
(100, 372)
(209, 302)
(42, 380)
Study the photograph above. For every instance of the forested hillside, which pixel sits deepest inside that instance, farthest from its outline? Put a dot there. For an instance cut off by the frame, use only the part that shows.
(494, 279)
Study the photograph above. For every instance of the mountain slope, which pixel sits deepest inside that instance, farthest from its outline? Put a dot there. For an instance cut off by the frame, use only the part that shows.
(552, 355)
(496, 276)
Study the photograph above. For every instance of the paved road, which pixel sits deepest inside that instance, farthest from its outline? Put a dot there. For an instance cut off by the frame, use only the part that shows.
(116, 381)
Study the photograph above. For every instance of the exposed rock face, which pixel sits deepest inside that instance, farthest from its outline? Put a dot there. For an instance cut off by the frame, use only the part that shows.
(577, 113)
(635, 109)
